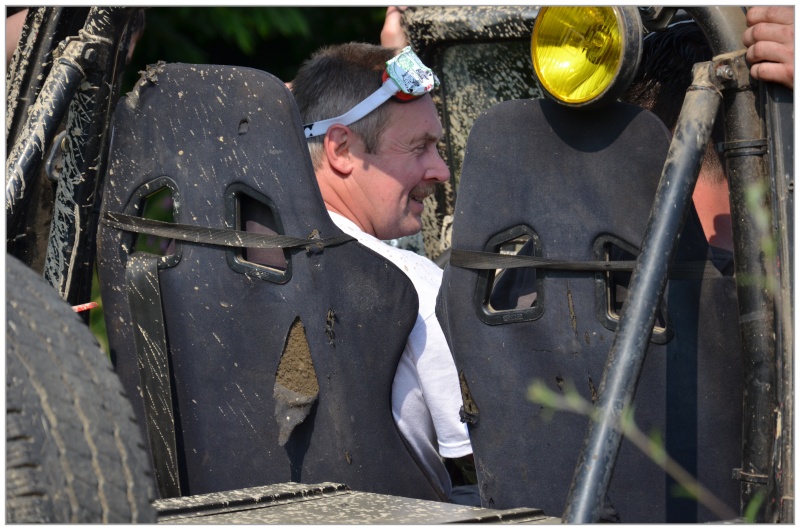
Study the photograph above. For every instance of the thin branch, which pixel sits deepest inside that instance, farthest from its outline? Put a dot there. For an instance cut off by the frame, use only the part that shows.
(571, 401)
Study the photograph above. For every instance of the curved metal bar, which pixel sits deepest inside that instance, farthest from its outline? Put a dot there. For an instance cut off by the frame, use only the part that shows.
(34, 58)
(756, 269)
(70, 251)
(51, 104)
(723, 26)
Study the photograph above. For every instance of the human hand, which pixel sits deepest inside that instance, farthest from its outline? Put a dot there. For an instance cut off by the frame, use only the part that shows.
(393, 35)
(769, 39)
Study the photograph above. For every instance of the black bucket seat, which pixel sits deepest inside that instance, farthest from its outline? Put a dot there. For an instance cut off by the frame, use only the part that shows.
(577, 186)
(250, 363)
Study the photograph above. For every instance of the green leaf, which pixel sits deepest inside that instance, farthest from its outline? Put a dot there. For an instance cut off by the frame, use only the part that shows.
(753, 507)
(656, 446)
(539, 393)
(682, 492)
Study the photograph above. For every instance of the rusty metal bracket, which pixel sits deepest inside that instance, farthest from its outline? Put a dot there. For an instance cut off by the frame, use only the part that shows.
(731, 71)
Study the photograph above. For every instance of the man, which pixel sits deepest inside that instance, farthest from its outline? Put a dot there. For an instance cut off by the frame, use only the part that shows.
(374, 153)
(665, 74)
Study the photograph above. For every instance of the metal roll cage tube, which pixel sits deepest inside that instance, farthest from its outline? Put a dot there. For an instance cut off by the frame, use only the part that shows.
(723, 26)
(84, 79)
(25, 157)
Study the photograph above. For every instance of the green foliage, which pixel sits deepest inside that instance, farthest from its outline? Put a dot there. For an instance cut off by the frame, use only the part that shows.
(757, 197)
(657, 446)
(274, 39)
(569, 400)
(159, 207)
(682, 492)
(191, 30)
(753, 507)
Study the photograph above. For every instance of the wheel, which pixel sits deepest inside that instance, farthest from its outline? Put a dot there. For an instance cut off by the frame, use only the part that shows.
(74, 453)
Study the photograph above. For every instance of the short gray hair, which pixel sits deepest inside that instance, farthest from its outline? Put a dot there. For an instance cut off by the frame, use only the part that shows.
(333, 81)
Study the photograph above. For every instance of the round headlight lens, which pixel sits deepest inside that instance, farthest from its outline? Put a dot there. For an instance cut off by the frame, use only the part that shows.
(578, 51)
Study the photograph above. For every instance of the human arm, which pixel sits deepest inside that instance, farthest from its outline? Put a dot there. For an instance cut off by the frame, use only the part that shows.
(393, 35)
(434, 367)
(769, 39)
(438, 379)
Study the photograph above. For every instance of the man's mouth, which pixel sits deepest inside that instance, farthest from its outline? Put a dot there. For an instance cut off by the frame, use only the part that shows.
(421, 192)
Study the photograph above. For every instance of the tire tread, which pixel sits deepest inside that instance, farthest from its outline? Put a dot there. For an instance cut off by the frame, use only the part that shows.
(75, 450)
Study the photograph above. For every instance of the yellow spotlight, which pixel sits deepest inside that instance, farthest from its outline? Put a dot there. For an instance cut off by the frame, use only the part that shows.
(586, 55)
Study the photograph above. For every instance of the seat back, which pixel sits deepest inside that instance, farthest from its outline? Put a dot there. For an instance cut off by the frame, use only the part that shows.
(249, 366)
(578, 186)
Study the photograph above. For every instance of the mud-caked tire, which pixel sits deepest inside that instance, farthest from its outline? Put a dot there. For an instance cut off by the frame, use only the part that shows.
(74, 453)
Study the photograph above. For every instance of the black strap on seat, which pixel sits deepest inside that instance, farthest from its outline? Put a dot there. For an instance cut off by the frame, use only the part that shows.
(471, 259)
(218, 236)
(144, 298)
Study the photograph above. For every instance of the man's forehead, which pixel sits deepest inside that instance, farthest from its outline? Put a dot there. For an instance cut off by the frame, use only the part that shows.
(418, 120)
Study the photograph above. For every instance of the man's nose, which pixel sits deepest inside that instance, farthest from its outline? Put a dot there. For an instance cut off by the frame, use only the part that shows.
(439, 170)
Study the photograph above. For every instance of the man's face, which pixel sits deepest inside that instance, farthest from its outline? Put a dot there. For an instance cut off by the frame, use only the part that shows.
(396, 179)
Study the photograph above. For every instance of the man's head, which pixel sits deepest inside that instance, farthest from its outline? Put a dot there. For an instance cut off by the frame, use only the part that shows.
(335, 80)
(664, 75)
(377, 170)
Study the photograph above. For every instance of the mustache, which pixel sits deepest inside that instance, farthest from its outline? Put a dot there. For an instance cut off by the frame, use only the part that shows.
(423, 190)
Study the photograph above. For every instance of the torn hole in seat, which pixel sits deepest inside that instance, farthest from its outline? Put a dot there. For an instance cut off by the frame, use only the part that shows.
(469, 412)
(296, 386)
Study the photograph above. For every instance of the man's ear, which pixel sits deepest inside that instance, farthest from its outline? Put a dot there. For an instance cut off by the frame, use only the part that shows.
(338, 145)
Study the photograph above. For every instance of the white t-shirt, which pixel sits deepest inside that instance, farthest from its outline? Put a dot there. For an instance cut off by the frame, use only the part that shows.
(426, 395)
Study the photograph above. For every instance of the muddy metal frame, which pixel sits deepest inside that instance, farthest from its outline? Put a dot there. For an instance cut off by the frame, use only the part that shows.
(56, 72)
